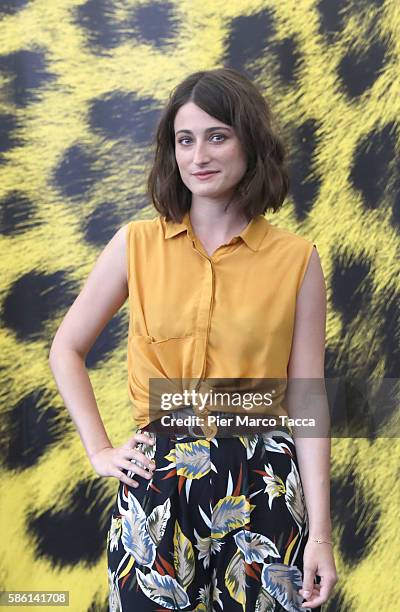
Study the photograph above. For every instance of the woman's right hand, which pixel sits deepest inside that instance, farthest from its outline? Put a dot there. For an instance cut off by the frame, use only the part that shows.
(111, 461)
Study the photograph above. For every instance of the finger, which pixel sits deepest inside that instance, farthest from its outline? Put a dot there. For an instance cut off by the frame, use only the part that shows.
(134, 469)
(315, 600)
(313, 596)
(139, 459)
(308, 582)
(326, 590)
(125, 479)
(136, 438)
(316, 588)
(146, 436)
(130, 443)
(315, 592)
(315, 585)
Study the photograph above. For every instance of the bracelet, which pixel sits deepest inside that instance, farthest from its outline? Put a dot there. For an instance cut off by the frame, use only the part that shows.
(319, 541)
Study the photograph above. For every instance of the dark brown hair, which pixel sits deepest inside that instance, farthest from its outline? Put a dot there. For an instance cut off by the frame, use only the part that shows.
(232, 98)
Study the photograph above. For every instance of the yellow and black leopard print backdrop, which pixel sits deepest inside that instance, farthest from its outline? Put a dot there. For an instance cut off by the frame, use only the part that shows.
(82, 86)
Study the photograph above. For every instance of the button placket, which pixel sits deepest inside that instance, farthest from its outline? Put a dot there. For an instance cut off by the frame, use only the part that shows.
(203, 327)
(203, 318)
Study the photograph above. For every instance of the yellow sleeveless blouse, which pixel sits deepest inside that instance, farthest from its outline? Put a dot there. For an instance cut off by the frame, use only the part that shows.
(198, 318)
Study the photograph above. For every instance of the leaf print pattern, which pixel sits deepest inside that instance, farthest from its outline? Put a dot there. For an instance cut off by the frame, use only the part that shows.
(163, 590)
(280, 580)
(183, 557)
(114, 533)
(220, 527)
(235, 577)
(229, 514)
(275, 485)
(265, 602)
(254, 546)
(192, 459)
(114, 601)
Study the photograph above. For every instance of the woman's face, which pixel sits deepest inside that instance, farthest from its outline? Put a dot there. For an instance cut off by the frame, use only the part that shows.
(202, 143)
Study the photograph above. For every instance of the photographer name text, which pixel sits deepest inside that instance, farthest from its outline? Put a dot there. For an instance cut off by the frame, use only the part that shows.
(237, 420)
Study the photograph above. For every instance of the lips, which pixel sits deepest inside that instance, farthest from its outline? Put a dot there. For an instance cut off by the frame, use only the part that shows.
(205, 173)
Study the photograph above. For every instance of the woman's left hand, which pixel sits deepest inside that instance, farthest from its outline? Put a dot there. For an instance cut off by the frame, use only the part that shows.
(318, 560)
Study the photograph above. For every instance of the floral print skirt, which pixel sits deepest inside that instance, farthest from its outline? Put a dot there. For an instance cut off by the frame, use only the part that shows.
(221, 526)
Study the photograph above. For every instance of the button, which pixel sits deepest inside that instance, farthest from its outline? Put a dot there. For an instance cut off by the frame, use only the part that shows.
(203, 417)
(210, 431)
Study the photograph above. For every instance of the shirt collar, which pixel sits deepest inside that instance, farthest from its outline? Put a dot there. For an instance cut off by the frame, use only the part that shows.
(253, 234)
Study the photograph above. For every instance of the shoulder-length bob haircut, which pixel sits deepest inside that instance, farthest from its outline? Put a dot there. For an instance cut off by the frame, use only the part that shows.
(232, 98)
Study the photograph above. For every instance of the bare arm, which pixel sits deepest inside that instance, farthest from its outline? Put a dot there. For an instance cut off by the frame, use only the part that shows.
(307, 363)
(102, 295)
(308, 400)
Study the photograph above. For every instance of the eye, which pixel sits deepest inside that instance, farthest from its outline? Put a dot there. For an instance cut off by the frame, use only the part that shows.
(223, 136)
(181, 140)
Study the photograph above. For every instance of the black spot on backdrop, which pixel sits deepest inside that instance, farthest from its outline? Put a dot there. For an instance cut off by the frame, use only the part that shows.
(101, 224)
(304, 186)
(384, 402)
(352, 408)
(332, 369)
(248, 38)
(289, 57)
(9, 137)
(349, 389)
(395, 218)
(16, 214)
(372, 164)
(98, 18)
(26, 74)
(32, 426)
(357, 517)
(122, 115)
(39, 294)
(11, 7)
(105, 220)
(85, 515)
(77, 172)
(351, 287)
(152, 23)
(332, 16)
(108, 340)
(390, 329)
(359, 69)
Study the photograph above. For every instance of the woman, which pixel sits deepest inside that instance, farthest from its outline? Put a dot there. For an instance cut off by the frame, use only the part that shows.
(218, 521)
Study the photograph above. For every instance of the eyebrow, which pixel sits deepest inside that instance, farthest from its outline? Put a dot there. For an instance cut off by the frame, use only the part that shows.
(207, 131)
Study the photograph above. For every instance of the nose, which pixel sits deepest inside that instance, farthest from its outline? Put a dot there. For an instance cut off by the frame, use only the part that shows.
(201, 154)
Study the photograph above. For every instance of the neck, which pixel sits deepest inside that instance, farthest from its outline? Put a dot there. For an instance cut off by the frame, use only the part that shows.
(209, 218)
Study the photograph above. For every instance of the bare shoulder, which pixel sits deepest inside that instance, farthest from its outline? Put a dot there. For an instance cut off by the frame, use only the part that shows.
(112, 259)
(314, 280)
(308, 345)
(121, 236)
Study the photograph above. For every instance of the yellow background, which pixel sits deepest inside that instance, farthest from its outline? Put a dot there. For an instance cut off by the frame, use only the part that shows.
(82, 84)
